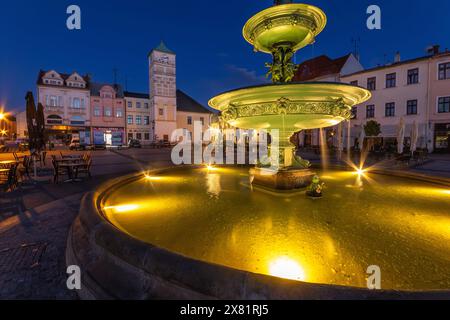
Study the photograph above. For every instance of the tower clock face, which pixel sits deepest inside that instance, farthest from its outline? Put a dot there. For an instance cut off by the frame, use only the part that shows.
(164, 59)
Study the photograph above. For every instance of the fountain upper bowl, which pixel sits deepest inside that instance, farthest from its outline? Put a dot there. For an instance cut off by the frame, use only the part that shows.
(296, 25)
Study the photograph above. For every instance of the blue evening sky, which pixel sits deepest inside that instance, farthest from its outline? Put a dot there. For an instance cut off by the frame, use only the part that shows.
(207, 36)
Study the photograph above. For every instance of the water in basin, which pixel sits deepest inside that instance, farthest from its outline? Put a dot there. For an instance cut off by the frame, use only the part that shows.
(398, 224)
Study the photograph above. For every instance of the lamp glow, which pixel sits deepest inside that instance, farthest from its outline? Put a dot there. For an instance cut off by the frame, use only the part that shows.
(152, 178)
(287, 268)
(123, 208)
(210, 167)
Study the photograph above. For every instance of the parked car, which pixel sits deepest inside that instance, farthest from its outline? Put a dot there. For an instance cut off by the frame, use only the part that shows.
(134, 144)
(101, 146)
(76, 145)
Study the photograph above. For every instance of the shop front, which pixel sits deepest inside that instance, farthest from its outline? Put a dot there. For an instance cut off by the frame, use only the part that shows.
(111, 137)
(60, 135)
(442, 138)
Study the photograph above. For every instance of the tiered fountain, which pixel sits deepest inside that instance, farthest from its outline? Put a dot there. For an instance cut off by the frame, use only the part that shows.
(285, 105)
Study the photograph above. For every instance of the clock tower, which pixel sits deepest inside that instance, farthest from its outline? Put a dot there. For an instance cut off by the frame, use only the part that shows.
(163, 92)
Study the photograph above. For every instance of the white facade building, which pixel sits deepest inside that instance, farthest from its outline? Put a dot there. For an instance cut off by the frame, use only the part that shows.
(138, 117)
(416, 90)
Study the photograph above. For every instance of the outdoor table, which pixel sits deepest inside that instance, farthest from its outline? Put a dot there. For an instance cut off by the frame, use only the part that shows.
(70, 167)
(7, 164)
(4, 172)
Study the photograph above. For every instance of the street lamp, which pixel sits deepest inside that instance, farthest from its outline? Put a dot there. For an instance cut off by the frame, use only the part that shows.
(2, 116)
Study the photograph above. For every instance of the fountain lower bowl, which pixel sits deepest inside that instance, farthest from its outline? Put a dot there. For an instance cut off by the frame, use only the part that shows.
(293, 106)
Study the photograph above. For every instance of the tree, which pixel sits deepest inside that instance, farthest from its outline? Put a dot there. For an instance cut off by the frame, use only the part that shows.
(36, 124)
(372, 128)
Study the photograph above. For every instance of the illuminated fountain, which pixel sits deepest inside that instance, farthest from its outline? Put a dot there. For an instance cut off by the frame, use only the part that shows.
(201, 232)
(287, 106)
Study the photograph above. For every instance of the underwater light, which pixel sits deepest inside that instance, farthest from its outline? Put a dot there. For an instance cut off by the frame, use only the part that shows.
(286, 268)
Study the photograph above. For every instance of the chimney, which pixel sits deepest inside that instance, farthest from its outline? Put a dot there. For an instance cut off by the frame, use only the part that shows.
(436, 49)
(433, 50)
(398, 58)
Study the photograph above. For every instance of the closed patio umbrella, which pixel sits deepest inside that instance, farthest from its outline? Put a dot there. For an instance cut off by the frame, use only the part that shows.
(414, 136)
(362, 137)
(400, 136)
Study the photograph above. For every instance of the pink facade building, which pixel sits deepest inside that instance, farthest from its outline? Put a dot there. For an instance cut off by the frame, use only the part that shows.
(107, 115)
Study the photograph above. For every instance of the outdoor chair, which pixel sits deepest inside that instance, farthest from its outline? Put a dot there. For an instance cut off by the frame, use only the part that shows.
(85, 168)
(9, 183)
(57, 170)
(25, 167)
(43, 158)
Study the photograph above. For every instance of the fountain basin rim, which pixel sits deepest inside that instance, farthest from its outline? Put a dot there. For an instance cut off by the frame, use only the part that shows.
(138, 270)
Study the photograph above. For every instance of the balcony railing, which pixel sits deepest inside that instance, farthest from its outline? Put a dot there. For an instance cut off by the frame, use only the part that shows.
(58, 109)
(73, 110)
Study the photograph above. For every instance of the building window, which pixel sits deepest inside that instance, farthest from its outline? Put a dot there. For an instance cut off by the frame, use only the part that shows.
(411, 107)
(130, 136)
(391, 80)
(52, 101)
(138, 120)
(130, 104)
(189, 120)
(54, 119)
(390, 109)
(161, 111)
(108, 112)
(97, 112)
(76, 103)
(354, 83)
(444, 105)
(370, 111)
(119, 113)
(130, 119)
(354, 112)
(146, 120)
(146, 105)
(139, 136)
(372, 84)
(202, 120)
(444, 71)
(166, 137)
(146, 136)
(138, 105)
(413, 76)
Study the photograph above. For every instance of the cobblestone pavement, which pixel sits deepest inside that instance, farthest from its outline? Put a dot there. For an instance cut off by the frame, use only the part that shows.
(32, 246)
(34, 223)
